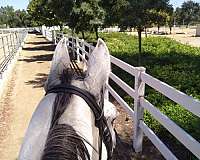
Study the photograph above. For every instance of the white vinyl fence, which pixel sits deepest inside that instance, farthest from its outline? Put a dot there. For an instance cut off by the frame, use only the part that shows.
(10, 41)
(83, 49)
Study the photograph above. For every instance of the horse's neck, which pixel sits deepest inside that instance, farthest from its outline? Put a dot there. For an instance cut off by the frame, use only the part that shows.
(80, 117)
(36, 134)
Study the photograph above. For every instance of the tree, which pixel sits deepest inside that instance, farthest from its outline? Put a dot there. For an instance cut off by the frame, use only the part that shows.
(113, 11)
(87, 15)
(12, 18)
(170, 21)
(161, 17)
(41, 13)
(188, 13)
(61, 9)
(136, 13)
(23, 18)
(7, 16)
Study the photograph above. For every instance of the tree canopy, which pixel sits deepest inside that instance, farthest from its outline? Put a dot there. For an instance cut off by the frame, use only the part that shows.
(87, 15)
(41, 13)
(14, 18)
(188, 13)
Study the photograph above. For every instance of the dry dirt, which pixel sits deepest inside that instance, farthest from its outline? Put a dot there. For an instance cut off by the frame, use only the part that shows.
(124, 150)
(182, 35)
(24, 91)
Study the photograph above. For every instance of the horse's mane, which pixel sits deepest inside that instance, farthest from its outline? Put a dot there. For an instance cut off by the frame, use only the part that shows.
(63, 143)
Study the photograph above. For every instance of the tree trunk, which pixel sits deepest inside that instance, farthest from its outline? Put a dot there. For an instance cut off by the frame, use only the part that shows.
(83, 35)
(170, 30)
(145, 29)
(96, 31)
(61, 28)
(140, 45)
(158, 28)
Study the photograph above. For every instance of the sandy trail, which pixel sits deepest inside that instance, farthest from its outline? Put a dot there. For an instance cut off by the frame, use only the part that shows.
(23, 93)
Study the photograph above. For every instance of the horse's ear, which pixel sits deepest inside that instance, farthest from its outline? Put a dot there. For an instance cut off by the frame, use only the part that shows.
(61, 59)
(98, 67)
(60, 62)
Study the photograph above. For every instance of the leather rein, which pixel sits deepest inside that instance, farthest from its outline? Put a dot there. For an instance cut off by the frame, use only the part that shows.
(100, 120)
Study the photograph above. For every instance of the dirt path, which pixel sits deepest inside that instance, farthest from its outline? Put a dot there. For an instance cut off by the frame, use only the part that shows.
(23, 94)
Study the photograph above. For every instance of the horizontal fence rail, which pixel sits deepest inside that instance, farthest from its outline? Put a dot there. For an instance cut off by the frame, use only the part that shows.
(157, 142)
(130, 91)
(179, 133)
(187, 101)
(120, 101)
(82, 50)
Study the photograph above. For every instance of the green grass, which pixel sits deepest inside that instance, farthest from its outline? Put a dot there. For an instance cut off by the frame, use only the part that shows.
(169, 61)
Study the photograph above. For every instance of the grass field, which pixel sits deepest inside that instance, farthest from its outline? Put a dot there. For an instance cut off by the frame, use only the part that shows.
(171, 62)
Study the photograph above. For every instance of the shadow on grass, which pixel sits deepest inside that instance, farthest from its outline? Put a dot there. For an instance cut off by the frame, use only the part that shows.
(39, 80)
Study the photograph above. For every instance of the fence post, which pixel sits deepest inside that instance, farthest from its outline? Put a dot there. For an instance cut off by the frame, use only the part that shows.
(138, 110)
(45, 33)
(16, 39)
(84, 57)
(54, 36)
(8, 44)
(4, 50)
(19, 39)
(11, 43)
(83, 47)
(77, 50)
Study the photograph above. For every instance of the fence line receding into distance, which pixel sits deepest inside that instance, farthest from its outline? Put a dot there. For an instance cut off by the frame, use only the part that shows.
(10, 41)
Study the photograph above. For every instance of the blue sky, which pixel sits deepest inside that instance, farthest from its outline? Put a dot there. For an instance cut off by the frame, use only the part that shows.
(17, 4)
(22, 4)
(177, 3)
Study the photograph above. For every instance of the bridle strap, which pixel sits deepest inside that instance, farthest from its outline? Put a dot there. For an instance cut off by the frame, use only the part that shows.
(90, 100)
(100, 120)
